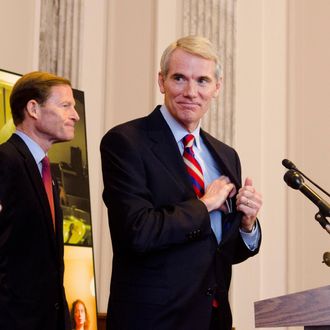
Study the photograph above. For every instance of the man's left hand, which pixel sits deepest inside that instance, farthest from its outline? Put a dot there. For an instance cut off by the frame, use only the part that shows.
(248, 201)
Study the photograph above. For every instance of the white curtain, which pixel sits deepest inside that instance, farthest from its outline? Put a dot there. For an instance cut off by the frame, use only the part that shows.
(216, 20)
(60, 36)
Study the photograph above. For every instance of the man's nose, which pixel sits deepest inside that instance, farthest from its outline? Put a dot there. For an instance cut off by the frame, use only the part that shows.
(75, 115)
(190, 89)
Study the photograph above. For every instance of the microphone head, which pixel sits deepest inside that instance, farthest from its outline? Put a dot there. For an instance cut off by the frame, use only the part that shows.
(293, 179)
(288, 164)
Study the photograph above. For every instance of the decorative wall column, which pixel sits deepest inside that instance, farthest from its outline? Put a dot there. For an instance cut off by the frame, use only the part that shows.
(60, 38)
(216, 20)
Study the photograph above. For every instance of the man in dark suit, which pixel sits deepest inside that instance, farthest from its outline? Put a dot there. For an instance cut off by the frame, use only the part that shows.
(32, 295)
(178, 222)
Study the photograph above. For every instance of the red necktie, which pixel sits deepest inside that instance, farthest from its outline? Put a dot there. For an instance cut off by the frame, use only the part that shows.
(47, 179)
(196, 175)
(194, 169)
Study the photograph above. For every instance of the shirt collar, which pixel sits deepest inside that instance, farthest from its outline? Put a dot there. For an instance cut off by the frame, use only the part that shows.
(178, 131)
(36, 151)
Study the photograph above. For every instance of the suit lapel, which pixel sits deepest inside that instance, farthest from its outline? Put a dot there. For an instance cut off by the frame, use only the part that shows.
(36, 181)
(167, 151)
(226, 165)
(230, 221)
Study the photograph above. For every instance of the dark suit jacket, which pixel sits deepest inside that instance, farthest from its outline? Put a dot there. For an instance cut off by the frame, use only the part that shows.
(167, 264)
(31, 257)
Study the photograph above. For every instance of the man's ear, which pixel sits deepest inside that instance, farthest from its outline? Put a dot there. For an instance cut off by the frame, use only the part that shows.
(161, 82)
(218, 87)
(32, 108)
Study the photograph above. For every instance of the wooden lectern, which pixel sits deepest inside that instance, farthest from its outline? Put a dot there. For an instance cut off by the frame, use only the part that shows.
(310, 309)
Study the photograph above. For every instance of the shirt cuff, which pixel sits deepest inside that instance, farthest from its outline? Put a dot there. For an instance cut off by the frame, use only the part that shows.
(251, 239)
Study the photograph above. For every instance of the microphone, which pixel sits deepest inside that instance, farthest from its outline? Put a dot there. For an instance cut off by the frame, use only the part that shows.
(290, 166)
(294, 180)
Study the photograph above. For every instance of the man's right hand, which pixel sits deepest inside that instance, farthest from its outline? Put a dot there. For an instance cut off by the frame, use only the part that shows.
(217, 192)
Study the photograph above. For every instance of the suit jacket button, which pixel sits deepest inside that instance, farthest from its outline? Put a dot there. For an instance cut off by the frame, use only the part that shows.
(57, 306)
(209, 292)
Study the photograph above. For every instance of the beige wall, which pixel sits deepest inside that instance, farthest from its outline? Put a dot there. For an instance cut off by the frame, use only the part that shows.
(261, 143)
(19, 35)
(282, 104)
(308, 136)
(282, 112)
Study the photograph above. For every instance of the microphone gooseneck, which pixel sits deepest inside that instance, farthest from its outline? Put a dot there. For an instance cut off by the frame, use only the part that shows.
(294, 179)
(290, 166)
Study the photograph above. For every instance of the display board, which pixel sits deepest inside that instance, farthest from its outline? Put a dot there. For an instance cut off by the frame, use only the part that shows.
(69, 164)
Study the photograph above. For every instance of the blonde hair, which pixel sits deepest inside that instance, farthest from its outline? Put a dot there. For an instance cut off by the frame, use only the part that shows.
(195, 45)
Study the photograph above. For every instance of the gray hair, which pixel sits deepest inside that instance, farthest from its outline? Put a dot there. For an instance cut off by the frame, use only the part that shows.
(195, 45)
